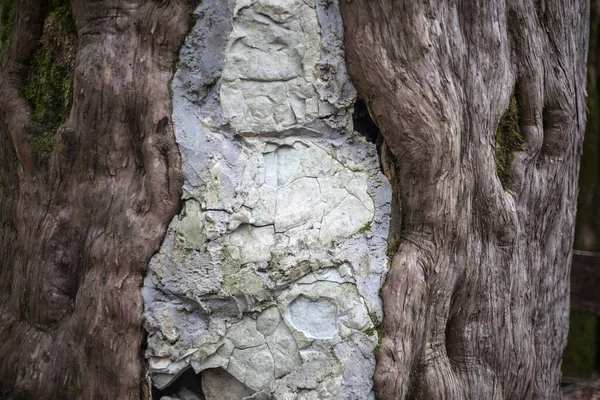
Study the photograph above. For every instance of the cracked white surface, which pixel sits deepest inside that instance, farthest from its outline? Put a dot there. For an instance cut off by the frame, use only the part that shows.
(270, 65)
(273, 268)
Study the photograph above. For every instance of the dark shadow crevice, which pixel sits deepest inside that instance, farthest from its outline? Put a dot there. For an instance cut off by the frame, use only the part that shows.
(187, 386)
(363, 123)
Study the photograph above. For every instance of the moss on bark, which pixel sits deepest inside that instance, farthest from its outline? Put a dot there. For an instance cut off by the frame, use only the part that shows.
(49, 81)
(7, 17)
(509, 138)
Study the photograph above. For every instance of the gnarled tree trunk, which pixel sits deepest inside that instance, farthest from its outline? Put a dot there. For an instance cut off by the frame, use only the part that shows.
(82, 215)
(483, 107)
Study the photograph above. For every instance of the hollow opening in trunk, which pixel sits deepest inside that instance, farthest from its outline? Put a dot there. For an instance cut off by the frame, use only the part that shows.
(187, 386)
(210, 384)
(363, 123)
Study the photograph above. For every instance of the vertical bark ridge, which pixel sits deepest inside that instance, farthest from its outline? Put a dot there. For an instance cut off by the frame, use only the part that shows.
(482, 272)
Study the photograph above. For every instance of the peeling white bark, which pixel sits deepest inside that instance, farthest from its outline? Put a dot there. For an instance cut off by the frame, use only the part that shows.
(272, 270)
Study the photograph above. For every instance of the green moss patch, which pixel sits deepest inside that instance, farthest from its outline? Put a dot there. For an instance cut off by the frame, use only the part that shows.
(73, 388)
(393, 245)
(7, 18)
(366, 227)
(516, 26)
(25, 307)
(509, 138)
(49, 81)
(542, 17)
(378, 329)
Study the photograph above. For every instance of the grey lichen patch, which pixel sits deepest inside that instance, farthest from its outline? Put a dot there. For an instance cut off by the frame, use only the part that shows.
(190, 230)
(273, 269)
(49, 80)
(244, 282)
(509, 139)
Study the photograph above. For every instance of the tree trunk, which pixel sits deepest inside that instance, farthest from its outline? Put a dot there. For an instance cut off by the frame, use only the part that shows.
(481, 109)
(83, 208)
(482, 106)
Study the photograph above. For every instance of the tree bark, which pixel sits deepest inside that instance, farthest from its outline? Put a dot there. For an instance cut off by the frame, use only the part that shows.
(81, 222)
(482, 106)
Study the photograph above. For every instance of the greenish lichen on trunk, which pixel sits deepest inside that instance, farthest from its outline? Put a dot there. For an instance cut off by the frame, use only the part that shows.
(509, 138)
(516, 26)
(542, 17)
(7, 17)
(25, 307)
(49, 81)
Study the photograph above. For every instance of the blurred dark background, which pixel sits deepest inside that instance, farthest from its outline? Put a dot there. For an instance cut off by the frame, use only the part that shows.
(581, 357)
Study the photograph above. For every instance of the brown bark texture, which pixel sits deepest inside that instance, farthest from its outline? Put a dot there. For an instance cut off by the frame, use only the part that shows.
(482, 107)
(80, 224)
